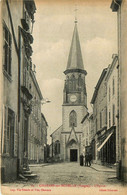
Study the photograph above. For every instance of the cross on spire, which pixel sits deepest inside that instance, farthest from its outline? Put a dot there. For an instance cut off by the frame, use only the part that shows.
(76, 13)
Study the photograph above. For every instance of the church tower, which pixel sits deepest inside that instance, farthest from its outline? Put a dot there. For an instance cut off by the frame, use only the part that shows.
(74, 106)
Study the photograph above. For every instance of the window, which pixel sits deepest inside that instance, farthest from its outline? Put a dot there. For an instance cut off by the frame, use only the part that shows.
(86, 142)
(96, 124)
(105, 115)
(113, 86)
(109, 119)
(100, 120)
(113, 114)
(73, 119)
(9, 122)
(109, 93)
(7, 49)
(57, 147)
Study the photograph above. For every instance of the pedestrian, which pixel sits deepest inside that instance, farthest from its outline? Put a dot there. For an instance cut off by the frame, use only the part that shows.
(89, 159)
(86, 159)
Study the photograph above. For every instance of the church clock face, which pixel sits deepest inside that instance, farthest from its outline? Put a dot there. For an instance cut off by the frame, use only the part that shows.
(73, 98)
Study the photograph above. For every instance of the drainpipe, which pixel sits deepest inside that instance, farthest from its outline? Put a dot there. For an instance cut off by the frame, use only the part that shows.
(19, 93)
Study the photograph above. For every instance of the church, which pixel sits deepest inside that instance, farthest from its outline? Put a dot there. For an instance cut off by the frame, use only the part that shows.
(67, 143)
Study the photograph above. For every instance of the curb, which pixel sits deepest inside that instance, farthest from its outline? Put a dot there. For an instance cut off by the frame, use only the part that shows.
(112, 171)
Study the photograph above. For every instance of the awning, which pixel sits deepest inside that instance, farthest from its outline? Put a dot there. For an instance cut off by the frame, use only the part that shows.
(99, 148)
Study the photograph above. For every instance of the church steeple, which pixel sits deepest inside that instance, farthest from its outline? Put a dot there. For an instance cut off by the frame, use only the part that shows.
(75, 61)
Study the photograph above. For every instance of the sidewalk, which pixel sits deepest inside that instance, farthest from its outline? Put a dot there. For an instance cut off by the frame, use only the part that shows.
(102, 168)
(39, 165)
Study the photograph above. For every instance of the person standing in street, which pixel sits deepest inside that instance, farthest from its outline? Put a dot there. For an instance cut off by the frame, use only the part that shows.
(86, 159)
(89, 159)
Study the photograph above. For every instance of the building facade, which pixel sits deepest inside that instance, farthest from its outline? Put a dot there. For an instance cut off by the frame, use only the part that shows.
(9, 131)
(26, 81)
(34, 124)
(120, 6)
(74, 106)
(21, 95)
(45, 147)
(55, 147)
(87, 134)
(99, 101)
(113, 106)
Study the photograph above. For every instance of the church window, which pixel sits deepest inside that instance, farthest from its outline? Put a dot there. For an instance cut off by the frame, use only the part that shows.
(73, 119)
(57, 147)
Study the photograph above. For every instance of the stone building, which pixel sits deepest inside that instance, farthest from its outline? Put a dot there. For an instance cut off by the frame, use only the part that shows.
(113, 110)
(55, 147)
(87, 134)
(74, 102)
(34, 123)
(74, 106)
(120, 6)
(45, 148)
(21, 116)
(27, 82)
(99, 101)
(9, 93)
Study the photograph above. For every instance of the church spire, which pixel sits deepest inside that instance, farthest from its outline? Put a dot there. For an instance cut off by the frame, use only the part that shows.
(75, 61)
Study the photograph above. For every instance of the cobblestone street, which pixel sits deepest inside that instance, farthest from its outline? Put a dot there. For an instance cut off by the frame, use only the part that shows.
(73, 173)
(51, 175)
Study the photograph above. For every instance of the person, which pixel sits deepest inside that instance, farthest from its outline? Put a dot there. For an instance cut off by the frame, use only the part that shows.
(86, 159)
(89, 158)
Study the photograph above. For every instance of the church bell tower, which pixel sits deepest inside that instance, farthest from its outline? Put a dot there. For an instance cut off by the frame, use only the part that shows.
(74, 106)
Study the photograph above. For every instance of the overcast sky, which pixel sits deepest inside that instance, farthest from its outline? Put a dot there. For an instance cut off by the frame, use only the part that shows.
(53, 29)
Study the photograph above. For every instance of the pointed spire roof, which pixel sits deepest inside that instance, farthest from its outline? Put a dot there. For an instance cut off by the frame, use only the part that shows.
(75, 60)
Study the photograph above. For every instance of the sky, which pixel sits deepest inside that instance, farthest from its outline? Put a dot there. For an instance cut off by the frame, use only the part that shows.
(52, 32)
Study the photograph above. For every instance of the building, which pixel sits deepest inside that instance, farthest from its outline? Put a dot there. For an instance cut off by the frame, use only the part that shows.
(27, 83)
(74, 106)
(9, 93)
(21, 95)
(55, 147)
(113, 109)
(87, 134)
(34, 124)
(120, 6)
(99, 101)
(45, 148)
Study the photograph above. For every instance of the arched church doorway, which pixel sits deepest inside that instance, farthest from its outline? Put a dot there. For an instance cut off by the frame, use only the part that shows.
(73, 155)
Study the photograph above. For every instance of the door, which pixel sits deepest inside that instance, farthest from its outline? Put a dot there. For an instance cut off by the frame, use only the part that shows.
(73, 155)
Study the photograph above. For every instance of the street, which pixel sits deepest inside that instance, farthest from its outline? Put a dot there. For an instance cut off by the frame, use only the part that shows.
(66, 175)
(70, 173)
(73, 173)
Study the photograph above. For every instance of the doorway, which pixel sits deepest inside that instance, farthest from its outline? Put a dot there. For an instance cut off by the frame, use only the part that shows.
(73, 155)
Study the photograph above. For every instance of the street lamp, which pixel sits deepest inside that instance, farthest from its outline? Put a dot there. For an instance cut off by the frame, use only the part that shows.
(45, 100)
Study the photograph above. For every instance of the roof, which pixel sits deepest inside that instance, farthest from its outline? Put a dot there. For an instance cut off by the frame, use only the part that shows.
(111, 66)
(56, 130)
(84, 118)
(42, 115)
(75, 60)
(98, 85)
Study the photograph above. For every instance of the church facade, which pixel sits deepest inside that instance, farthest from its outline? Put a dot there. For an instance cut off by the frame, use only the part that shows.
(74, 106)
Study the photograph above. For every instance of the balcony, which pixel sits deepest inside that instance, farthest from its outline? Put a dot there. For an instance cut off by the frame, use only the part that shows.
(24, 23)
(31, 8)
(26, 92)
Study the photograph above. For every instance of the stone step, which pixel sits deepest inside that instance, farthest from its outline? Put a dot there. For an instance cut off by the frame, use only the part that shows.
(30, 175)
(21, 177)
(27, 172)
